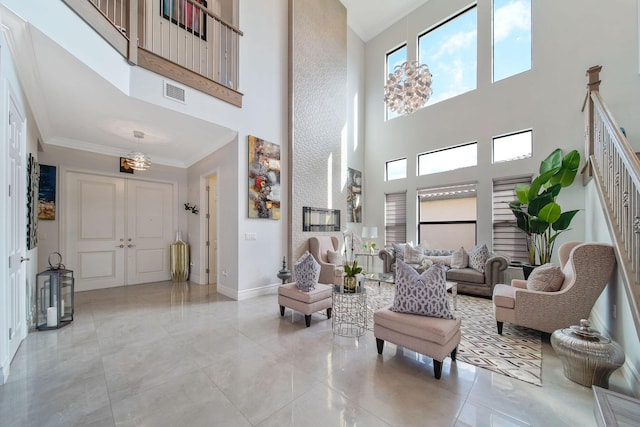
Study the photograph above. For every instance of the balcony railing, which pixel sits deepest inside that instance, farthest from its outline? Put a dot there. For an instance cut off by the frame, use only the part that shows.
(616, 170)
(184, 40)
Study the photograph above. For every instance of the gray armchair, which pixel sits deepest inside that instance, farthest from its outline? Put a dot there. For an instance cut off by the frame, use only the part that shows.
(587, 268)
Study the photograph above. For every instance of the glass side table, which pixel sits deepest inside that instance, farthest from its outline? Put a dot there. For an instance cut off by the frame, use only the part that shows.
(349, 315)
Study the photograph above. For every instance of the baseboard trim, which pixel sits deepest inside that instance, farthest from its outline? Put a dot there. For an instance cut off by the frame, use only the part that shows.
(259, 291)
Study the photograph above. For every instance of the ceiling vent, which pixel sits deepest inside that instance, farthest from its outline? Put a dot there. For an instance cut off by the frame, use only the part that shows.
(174, 92)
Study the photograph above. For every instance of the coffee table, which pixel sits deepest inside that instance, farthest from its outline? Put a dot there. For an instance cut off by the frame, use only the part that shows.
(381, 277)
(453, 286)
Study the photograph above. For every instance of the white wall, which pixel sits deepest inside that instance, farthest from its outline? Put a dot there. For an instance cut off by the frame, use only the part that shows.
(611, 314)
(547, 99)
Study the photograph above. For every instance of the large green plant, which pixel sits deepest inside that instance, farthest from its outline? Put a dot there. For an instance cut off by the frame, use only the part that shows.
(537, 212)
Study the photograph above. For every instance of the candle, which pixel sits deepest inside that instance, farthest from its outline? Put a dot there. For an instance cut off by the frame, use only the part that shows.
(52, 317)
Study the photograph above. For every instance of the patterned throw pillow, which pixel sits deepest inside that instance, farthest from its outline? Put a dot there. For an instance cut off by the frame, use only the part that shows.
(334, 257)
(398, 248)
(424, 294)
(546, 278)
(478, 256)
(307, 272)
(459, 258)
(413, 254)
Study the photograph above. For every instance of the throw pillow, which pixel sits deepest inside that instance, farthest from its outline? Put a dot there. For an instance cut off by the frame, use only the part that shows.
(426, 263)
(398, 248)
(546, 278)
(440, 259)
(334, 257)
(307, 272)
(424, 294)
(459, 258)
(478, 256)
(413, 254)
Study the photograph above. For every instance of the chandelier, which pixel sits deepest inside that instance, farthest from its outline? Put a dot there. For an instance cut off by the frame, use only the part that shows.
(408, 87)
(136, 160)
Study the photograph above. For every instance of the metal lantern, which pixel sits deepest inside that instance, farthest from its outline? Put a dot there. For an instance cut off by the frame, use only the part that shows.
(54, 297)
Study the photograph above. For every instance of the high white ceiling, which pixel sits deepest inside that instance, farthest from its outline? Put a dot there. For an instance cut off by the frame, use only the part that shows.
(77, 108)
(368, 18)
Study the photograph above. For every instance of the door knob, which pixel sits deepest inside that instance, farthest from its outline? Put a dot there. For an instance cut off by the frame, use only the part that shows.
(120, 246)
(22, 259)
(130, 245)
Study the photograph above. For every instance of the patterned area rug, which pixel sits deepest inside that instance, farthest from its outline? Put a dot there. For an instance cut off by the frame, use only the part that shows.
(517, 353)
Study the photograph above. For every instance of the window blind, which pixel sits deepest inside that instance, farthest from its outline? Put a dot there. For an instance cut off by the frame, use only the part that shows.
(508, 239)
(395, 218)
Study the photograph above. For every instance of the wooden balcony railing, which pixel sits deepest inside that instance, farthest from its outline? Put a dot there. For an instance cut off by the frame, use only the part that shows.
(616, 170)
(179, 39)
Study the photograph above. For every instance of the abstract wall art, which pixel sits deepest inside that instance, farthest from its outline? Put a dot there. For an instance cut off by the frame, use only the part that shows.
(264, 179)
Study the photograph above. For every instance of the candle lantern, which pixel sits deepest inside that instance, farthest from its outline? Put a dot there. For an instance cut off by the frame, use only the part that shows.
(54, 297)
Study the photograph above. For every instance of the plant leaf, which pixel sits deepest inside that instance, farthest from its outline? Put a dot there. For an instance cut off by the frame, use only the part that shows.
(550, 213)
(553, 161)
(564, 221)
(522, 191)
(569, 170)
(537, 225)
(538, 203)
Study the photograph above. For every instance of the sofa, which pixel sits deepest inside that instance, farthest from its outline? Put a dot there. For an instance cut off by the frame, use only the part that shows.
(470, 281)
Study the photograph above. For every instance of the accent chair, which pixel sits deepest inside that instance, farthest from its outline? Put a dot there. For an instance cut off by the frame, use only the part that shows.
(587, 268)
(318, 247)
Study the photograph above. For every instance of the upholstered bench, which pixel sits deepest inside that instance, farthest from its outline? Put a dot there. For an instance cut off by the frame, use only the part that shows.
(431, 336)
(307, 303)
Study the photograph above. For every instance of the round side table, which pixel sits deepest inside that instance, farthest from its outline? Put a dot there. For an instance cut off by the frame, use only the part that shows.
(587, 357)
(349, 311)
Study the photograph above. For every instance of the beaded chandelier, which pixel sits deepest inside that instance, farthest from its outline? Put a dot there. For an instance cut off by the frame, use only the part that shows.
(408, 87)
(137, 160)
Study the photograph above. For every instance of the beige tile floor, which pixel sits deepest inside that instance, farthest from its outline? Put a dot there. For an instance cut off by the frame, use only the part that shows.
(167, 354)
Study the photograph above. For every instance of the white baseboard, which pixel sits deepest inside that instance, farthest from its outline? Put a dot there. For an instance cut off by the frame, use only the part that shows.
(256, 292)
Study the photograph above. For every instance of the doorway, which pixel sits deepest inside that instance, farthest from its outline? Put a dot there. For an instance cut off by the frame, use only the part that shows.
(16, 237)
(118, 231)
(212, 230)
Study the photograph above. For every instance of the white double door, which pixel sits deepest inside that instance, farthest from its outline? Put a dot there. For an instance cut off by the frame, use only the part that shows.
(118, 231)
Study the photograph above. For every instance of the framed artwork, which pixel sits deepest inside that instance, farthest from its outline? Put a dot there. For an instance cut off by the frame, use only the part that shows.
(184, 14)
(354, 191)
(320, 219)
(124, 166)
(264, 179)
(47, 193)
(33, 173)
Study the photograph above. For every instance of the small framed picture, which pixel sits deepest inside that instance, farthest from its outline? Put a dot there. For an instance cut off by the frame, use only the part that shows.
(124, 166)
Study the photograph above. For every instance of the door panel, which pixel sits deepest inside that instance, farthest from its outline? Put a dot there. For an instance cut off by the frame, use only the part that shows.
(150, 231)
(95, 230)
(16, 230)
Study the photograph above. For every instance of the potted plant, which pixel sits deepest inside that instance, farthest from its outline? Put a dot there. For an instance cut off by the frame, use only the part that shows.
(350, 281)
(537, 212)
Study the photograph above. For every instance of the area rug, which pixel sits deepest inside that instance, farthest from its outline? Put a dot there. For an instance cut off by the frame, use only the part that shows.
(517, 353)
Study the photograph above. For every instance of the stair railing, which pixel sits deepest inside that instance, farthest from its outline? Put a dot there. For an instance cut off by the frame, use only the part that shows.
(616, 169)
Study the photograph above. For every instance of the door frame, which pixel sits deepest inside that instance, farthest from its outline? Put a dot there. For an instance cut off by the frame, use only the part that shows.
(204, 234)
(64, 170)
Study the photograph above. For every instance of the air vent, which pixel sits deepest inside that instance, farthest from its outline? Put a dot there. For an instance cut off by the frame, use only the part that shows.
(174, 92)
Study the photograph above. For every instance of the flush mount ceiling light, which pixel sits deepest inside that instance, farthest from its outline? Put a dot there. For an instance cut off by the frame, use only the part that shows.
(408, 87)
(137, 160)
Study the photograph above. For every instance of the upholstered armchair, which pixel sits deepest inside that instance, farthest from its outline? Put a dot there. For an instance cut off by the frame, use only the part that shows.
(318, 247)
(587, 268)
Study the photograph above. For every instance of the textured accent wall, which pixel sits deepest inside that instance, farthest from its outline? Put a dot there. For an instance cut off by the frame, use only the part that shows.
(317, 117)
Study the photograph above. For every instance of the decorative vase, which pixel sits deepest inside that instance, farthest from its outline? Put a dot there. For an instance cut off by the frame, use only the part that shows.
(350, 284)
(527, 269)
(284, 274)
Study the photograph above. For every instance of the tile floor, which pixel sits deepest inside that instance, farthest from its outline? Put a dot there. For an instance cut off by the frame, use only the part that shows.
(167, 354)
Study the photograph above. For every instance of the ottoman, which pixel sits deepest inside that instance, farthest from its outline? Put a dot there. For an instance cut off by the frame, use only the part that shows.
(305, 302)
(431, 336)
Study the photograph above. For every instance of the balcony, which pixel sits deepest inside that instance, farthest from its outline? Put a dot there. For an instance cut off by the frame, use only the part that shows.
(183, 40)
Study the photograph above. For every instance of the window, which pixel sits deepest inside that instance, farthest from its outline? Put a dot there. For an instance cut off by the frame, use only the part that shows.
(508, 239)
(447, 217)
(512, 147)
(396, 169)
(394, 58)
(395, 218)
(451, 52)
(511, 37)
(448, 159)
